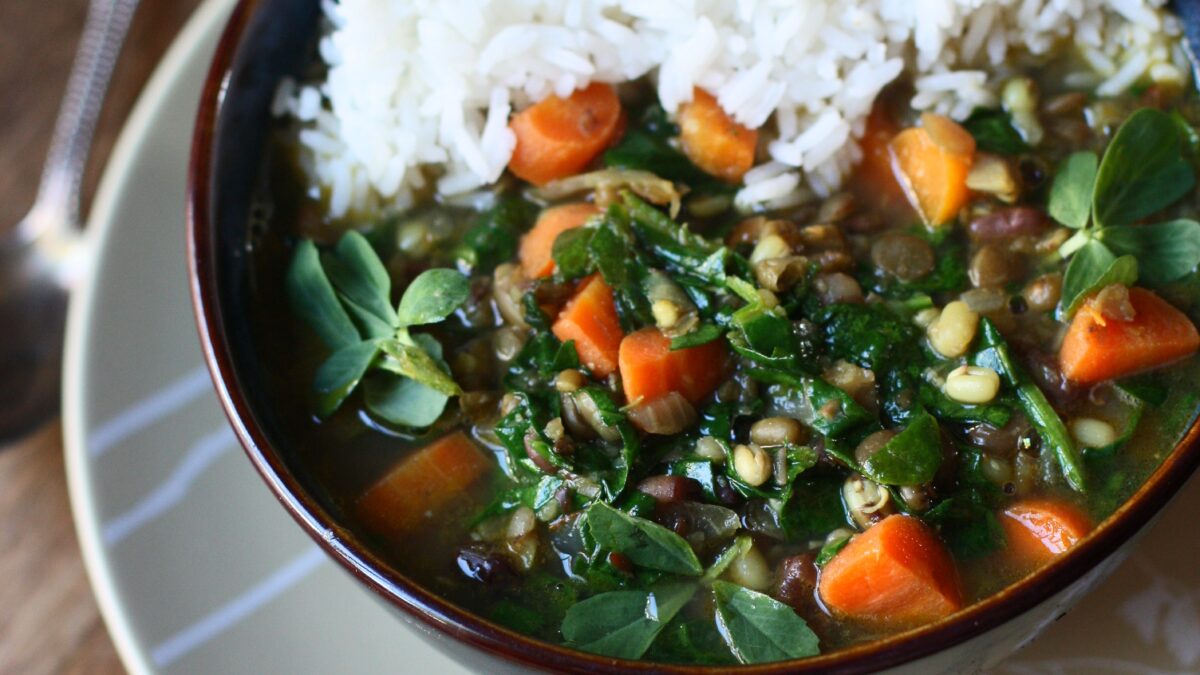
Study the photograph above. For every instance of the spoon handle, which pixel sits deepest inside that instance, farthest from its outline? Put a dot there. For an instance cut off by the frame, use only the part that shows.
(62, 176)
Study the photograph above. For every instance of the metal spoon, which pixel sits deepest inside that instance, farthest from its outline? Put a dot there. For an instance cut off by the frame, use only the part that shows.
(40, 258)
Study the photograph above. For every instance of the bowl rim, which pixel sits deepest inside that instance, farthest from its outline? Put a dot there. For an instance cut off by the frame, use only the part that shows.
(442, 615)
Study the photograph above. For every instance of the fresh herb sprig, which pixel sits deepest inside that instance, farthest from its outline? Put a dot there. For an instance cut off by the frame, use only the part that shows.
(1144, 170)
(345, 295)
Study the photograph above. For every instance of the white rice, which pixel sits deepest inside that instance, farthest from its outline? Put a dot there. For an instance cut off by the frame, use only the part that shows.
(415, 84)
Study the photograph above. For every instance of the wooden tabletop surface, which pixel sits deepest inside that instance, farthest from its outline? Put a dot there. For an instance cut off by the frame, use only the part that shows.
(49, 622)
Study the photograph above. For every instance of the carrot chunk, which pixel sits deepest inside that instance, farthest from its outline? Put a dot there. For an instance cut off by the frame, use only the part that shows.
(537, 246)
(897, 573)
(422, 484)
(713, 140)
(1097, 349)
(557, 137)
(931, 162)
(1039, 529)
(649, 369)
(590, 319)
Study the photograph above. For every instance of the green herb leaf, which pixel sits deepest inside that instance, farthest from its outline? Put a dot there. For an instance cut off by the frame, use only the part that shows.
(994, 132)
(1143, 170)
(760, 629)
(995, 355)
(432, 296)
(646, 543)
(363, 284)
(312, 298)
(405, 401)
(409, 359)
(623, 624)
(1071, 193)
(1091, 268)
(493, 239)
(912, 457)
(1166, 251)
(340, 374)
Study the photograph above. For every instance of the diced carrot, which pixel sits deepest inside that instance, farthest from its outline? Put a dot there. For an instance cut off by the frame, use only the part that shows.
(429, 480)
(649, 369)
(1039, 529)
(932, 162)
(590, 319)
(874, 173)
(897, 573)
(713, 140)
(537, 245)
(557, 137)
(1097, 349)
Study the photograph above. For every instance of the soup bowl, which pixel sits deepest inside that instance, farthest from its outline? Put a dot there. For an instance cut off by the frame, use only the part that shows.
(267, 40)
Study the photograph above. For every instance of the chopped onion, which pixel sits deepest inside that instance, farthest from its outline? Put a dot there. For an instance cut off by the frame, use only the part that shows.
(664, 415)
(610, 181)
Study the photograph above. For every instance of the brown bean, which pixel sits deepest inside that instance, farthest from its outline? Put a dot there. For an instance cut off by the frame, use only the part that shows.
(823, 237)
(1008, 222)
(480, 565)
(1042, 294)
(903, 256)
(797, 580)
(873, 444)
(669, 489)
(838, 287)
(994, 265)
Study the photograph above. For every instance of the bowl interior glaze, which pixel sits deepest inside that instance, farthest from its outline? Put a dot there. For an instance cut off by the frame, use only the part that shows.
(267, 40)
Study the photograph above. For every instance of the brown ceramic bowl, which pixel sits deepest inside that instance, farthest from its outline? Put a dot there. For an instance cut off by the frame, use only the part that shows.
(265, 40)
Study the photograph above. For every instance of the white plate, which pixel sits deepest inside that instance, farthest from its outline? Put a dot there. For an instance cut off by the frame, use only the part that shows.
(198, 570)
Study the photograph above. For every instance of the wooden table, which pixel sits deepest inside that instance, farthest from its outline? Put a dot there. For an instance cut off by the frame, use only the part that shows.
(49, 622)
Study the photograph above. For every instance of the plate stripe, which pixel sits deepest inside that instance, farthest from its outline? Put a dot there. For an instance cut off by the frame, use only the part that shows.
(148, 411)
(232, 612)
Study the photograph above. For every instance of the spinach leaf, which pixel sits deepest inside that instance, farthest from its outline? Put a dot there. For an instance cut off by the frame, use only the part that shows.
(618, 261)
(969, 527)
(1143, 170)
(797, 458)
(647, 544)
(760, 629)
(363, 284)
(735, 550)
(813, 401)
(994, 132)
(868, 335)
(912, 457)
(698, 469)
(340, 374)
(404, 401)
(623, 624)
(432, 296)
(995, 355)
(701, 335)
(947, 409)
(816, 505)
(611, 472)
(1092, 268)
(572, 252)
(312, 298)
(1167, 251)
(494, 237)
(1071, 192)
(829, 550)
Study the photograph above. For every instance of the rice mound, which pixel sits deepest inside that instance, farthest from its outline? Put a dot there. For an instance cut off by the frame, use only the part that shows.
(415, 84)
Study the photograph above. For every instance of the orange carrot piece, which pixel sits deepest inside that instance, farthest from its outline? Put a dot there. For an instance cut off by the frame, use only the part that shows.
(412, 493)
(649, 369)
(931, 162)
(537, 246)
(897, 573)
(1097, 349)
(590, 319)
(713, 140)
(558, 137)
(1039, 529)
